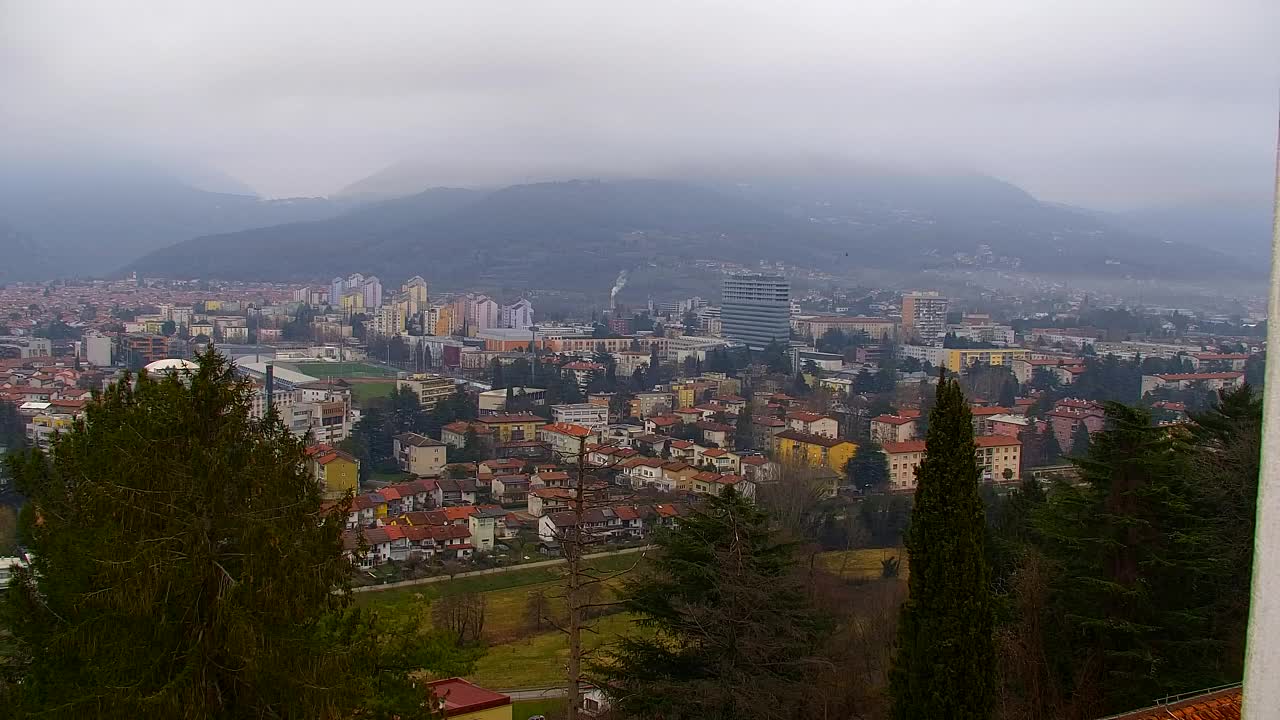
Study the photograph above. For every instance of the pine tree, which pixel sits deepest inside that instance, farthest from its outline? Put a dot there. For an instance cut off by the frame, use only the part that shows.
(868, 469)
(184, 567)
(1136, 567)
(736, 636)
(496, 372)
(945, 663)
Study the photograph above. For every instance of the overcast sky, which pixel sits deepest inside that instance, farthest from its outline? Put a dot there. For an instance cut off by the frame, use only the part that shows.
(1102, 102)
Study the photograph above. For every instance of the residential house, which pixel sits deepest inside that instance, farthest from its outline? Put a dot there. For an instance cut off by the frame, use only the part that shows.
(678, 475)
(483, 527)
(645, 472)
(514, 426)
(461, 700)
(502, 466)
(337, 472)
(589, 415)
(567, 440)
(815, 450)
(510, 489)
(456, 491)
(647, 404)
(718, 434)
(1069, 413)
(887, 429)
(812, 423)
(981, 417)
(418, 454)
(1216, 381)
(661, 424)
(455, 433)
(995, 454)
(764, 430)
(758, 469)
(549, 500)
(722, 460)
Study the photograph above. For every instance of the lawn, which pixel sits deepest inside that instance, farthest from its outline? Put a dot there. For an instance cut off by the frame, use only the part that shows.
(551, 708)
(400, 597)
(865, 563)
(389, 477)
(341, 369)
(539, 660)
(506, 594)
(363, 392)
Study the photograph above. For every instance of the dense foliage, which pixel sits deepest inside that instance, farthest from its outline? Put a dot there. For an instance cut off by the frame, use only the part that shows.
(736, 636)
(945, 664)
(184, 567)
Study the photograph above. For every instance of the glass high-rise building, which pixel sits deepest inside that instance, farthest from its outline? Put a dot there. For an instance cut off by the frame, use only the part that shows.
(756, 309)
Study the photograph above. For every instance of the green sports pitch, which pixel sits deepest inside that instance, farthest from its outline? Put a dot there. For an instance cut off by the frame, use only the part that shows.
(324, 370)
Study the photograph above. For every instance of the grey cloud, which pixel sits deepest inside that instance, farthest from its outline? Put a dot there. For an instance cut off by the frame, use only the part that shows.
(1099, 102)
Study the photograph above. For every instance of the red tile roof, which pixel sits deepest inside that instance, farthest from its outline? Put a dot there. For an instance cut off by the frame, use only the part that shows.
(909, 446)
(993, 410)
(1176, 377)
(569, 429)
(1220, 705)
(459, 696)
(892, 419)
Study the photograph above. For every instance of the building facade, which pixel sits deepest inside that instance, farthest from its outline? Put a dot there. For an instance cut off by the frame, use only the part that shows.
(756, 309)
(924, 316)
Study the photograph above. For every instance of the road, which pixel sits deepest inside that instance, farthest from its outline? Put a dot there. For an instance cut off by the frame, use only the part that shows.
(491, 571)
(541, 693)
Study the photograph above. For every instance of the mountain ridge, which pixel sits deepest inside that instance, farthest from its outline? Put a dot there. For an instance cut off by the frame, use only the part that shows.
(530, 233)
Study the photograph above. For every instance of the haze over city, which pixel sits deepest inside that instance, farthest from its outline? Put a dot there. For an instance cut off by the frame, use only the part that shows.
(1103, 104)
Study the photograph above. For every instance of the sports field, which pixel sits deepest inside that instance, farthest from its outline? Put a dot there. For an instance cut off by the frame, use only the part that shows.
(341, 369)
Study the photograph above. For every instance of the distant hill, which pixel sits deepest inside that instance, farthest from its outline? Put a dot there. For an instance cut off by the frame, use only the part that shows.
(545, 234)
(95, 216)
(1242, 231)
(581, 232)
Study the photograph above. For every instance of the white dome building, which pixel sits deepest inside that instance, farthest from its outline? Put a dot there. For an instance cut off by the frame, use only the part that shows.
(170, 365)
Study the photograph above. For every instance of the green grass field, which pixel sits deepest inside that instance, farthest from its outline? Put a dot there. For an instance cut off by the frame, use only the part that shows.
(552, 709)
(864, 564)
(539, 660)
(324, 370)
(364, 392)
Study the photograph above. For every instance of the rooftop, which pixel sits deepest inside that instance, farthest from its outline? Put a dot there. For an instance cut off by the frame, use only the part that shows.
(459, 696)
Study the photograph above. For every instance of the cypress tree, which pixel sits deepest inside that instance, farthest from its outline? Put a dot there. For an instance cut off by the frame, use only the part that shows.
(945, 661)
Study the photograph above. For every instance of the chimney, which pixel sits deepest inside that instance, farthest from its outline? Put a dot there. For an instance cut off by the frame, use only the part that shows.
(271, 387)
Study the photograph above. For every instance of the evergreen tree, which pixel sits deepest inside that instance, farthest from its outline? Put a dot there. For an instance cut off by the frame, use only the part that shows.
(945, 663)
(743, 433)
(1136, 568)
(736, 637)
(1052, 448)
(1080, 440)
(184, 567)
(868, 469)
(496, 371)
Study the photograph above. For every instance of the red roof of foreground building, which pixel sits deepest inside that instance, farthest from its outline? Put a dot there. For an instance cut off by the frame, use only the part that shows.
(1177, 377)
(1217, 705)
(460, 697)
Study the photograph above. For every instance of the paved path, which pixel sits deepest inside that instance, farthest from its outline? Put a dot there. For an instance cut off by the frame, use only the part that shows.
(539, 693)
(491, 571)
